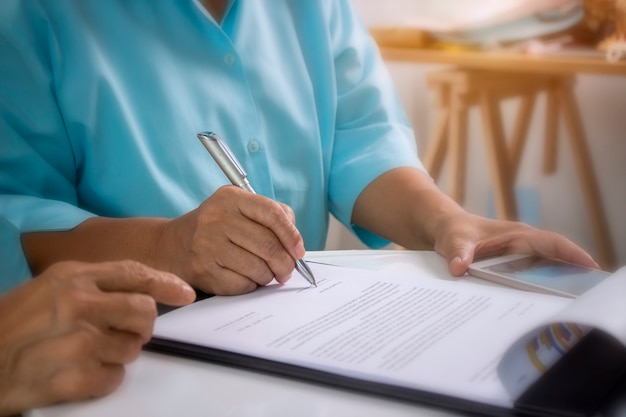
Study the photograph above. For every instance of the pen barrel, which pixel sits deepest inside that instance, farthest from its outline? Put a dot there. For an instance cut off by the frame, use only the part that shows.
(226, 160)
(305, 271)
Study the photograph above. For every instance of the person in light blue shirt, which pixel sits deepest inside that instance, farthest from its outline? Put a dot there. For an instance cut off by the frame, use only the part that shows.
(101, 101)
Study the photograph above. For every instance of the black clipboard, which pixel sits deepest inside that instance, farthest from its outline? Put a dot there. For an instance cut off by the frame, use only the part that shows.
(589, 381)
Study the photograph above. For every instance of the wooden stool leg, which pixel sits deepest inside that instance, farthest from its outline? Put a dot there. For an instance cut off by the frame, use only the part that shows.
(550, 144)
(438, 142)
(504, 195)
(457, 148)
(520, 132)
(591, 193)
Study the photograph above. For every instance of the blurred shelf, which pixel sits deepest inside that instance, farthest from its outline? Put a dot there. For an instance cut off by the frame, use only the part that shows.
(410, 45)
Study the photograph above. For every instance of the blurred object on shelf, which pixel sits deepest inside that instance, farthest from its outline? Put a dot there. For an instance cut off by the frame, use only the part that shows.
(615, 50)
(620, 19)
(544, 46)
(491, 23)
(529, 27)
(463, 16)
(599, 20)
(401, 37)
(605, 22)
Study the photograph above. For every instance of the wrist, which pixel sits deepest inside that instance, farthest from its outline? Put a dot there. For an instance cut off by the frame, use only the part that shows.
(163, 248)
(444, 215)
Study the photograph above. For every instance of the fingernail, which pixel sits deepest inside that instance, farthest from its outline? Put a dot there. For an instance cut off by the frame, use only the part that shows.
(455, 267)
(187, 288)
(284, 279)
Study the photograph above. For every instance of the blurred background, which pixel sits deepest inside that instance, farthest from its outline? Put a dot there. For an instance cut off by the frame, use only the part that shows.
(554, 202)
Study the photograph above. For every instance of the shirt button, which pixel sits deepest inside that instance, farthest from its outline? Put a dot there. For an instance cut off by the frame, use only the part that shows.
(253, 146)
(229, 59)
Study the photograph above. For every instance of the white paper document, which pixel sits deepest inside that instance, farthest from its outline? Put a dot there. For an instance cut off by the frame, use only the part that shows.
(441, 336)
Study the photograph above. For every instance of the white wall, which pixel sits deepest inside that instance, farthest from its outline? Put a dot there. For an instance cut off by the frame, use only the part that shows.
(560, 205)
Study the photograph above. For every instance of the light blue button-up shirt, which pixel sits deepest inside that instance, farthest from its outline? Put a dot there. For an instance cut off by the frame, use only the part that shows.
(100, 103)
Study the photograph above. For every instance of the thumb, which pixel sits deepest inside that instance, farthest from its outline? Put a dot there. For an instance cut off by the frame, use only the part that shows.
(459, 259)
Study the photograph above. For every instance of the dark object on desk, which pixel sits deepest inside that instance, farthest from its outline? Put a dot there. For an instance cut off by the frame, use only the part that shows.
(588, 381)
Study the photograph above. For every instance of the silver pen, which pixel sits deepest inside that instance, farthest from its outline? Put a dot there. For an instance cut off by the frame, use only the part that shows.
(229, 164)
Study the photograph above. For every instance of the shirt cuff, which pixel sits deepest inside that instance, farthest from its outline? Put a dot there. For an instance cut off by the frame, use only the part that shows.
(379, 152)
(15, 269)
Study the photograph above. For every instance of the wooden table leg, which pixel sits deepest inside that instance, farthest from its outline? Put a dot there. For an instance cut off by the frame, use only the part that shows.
(438, 142)
(550, 143)
(457, 147)
(520, 132)
(498, 156)
(589, 184)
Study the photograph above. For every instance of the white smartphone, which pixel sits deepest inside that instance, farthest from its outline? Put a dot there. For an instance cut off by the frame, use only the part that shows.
(538, 274)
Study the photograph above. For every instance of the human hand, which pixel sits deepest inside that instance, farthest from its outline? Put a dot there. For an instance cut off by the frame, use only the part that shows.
(67, 334)
(463, 238)
(232, 243)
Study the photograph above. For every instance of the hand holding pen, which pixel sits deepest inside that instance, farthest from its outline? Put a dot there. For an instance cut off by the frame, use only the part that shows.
(232, 243)
(231, 167)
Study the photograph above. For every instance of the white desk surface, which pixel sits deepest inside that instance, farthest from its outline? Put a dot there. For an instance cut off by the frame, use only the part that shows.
(158, 385)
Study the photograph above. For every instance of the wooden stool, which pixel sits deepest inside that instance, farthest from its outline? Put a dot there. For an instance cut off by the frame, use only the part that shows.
(457, 90)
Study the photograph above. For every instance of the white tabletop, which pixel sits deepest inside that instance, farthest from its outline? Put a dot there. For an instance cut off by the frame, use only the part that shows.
(159, 385)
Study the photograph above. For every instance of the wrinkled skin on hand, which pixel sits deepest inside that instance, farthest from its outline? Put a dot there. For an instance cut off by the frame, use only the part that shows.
(232, 243)
(464, 238)
(67, 334)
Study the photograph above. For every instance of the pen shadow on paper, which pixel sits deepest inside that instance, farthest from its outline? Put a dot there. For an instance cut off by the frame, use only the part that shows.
(292, 287)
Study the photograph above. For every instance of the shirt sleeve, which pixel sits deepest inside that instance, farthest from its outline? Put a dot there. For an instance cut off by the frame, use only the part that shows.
(372, 132)
(38, 170)
(15, 269)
